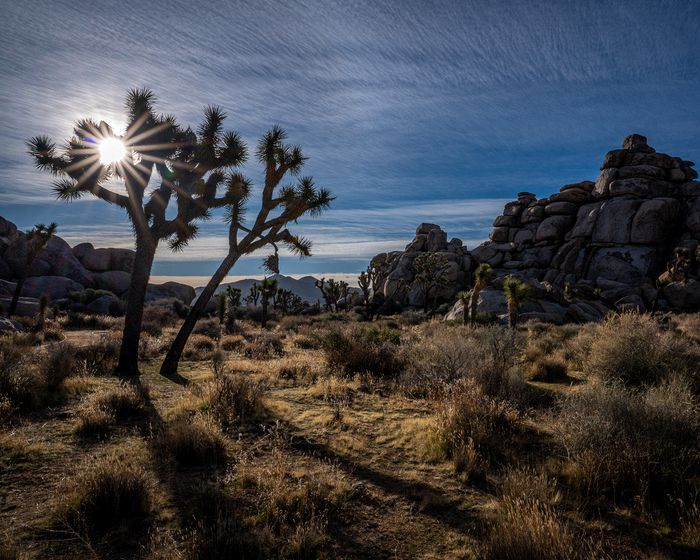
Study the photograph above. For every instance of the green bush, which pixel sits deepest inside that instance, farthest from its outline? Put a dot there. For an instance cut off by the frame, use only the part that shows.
(361, 350)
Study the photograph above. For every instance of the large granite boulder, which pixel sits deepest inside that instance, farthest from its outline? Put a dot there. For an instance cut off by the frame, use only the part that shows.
(115, 281)
(105, 259)
(168, 290)
(56, 287)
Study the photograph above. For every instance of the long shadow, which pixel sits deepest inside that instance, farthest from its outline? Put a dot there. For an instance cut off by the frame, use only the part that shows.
(427, 499)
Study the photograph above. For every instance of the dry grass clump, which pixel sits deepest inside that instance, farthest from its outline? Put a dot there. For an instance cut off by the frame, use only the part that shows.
(208, 327)
(234, 399)
(111, 493)
(295, 372)
(526, 529)
(547, 369)
(99, 358)
(232, 342)
(198, 347)
(634, 447)
(9, 550)
(31, 380)
(363, 350)
(529, 484)
(472, 427)
(635, 350)
(264, 346)
(78, 320)
(97, 416)
(194, 442)
(306, 342)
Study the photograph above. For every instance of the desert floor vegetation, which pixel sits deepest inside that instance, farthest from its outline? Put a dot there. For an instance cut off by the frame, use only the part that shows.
(329, 437)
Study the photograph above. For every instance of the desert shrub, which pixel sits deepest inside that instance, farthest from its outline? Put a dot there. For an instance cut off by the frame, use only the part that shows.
(94, 422)
(305, 342)
(126, 401)
(472, 426)
(547, 369)
(99, 358)
(635, 447)
(526, 529)
(524, 483)
(292, 371)
(18, 384)
(411, 318)
(79, 320)
(161, 314)
(633, 349)
(217, 362)
(6, 409)
(195, 442)
(440, 355)
(111, 492)
(57, 364)
(220, 536)
(198, 346)
(264, 346)
(209, 327)
(361, 350)
(9, 550)
(234, 399)
(232, 342)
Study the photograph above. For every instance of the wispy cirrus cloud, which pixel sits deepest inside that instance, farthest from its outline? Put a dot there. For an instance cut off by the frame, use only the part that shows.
(434, 108)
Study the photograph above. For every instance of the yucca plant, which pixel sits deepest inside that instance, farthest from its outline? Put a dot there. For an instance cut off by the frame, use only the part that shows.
(516, 292)
(464, 298)
(482, 275)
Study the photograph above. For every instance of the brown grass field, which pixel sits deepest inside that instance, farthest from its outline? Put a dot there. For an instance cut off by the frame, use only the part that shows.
(326, 437)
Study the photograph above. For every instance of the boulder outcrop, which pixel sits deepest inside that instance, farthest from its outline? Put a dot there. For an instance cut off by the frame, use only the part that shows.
(63, 273)
(592, 247)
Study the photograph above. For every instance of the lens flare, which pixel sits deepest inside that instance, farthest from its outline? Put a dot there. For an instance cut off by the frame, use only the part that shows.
(112, 150)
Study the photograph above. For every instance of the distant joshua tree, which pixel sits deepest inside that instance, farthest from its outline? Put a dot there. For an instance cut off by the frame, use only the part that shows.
(36, 239)
(233, 300)
(221, 307)
(516, 292)
(331, 291)
(268, 288)
(254, 294)
(482, 275)
(430, 274)
(280, 206)
(368, 286)
(190, 165)
(44, 301)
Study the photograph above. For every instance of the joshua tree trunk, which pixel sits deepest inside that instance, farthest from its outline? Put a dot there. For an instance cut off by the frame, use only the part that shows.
(426, 301)
(512, 315)
(465, 312)
(473, 303)
(15, 296)
(172, 359)
(128, 365)
(263, 315)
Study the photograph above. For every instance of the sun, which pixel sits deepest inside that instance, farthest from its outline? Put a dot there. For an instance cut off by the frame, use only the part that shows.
(112, 150)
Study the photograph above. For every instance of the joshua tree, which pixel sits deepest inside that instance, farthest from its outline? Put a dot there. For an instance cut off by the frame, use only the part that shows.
(43, 306)
(482, 275)
(368, 285)
(344, 289)
(36, 239)
(464, 298)
(254, 294)
(233, 298)
(285, 299)
(221, 307)
(516, 292)
(279, 207)
(430, 274)
(331, 291)
(268, 288)
(190, 166)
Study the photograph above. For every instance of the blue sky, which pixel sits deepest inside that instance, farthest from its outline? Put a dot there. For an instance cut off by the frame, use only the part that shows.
(409, 111)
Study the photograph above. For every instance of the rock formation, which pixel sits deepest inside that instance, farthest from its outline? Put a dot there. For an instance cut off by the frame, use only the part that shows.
(82, 277)
(590, 248)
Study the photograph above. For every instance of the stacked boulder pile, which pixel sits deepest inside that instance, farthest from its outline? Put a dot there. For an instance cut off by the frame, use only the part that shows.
(598, 246)
(396, 275)
(83, 277)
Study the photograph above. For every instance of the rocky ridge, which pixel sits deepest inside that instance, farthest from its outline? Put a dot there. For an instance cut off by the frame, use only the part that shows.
(82, 277)
(590, 248)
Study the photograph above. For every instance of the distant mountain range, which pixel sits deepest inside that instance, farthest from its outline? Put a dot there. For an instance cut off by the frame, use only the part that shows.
(303, 287)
